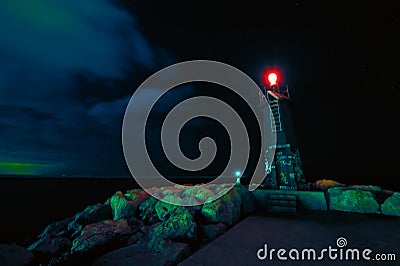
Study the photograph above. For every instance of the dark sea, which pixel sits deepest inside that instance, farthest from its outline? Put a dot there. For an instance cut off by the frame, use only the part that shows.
(30, 203)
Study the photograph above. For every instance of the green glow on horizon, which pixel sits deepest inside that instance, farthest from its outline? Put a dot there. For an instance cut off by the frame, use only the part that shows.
(16, 168)
(44, 15)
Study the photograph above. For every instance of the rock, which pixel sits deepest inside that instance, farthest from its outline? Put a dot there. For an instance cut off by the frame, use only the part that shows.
(75, 229)
(212, 231)
(148, 211)
(219, 189)
(234, 197)
(93, 214)
(180, 226)
(100, 234)
(135, 238)
(57, 228)
(371, 188)
(204, 194)
(248, 201)
(156, 192)
(170, 190)
(53, 240)
(62, 243)
(126, 205)
(50, 246)
(226, 209)
(391, 206)
(192, 200)
(11, 255)
(261, 196)
(351, 200)
(326, 184)
(170, 253)
(176, 200)
(165, 210)
(135, 224)
(219, 211)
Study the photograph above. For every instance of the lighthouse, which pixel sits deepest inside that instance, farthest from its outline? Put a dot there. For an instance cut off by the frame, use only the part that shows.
(285, 171)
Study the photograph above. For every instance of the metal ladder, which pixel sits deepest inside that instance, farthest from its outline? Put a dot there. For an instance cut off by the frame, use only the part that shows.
(275, 113)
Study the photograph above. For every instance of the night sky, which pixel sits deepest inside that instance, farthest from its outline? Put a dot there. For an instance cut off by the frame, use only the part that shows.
(69, 68)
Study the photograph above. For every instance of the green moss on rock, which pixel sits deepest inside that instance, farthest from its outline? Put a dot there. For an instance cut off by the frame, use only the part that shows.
(126, 205)
(181, 226)
(351, 200)
(391, 206)
(165, 210)
(370, 188)
(99, 234)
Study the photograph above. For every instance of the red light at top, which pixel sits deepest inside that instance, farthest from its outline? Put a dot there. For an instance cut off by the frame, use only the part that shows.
(271, 77)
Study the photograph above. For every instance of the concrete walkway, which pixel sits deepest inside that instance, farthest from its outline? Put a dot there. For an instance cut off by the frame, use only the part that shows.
(240, 244)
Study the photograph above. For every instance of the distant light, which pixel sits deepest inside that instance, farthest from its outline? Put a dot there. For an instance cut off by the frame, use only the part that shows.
(272, 78)
(238, 173)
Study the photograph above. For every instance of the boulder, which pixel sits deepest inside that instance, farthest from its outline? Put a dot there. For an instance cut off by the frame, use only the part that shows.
(234, 197)
(148, 211)
(91, 214)
(176, 200)
(226, 209)
(204, 194)
(100, 234)
(135, 238)
(57, 228)
(326, 184)
(212, 231)
(11, 255)
(261, 196)
(167, 253)
(180, 226)
(165, 210)
(391, 206)
(135, 224)
(192, 200)
(351, 200)
(74, 229)
(171, 190)
(50, 246)
(248, 201)
(53, 240)
(221, 210)
(370, 188)
(126, 205)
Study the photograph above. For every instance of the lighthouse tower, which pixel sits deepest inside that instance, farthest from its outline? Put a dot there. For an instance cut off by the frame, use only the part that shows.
(285, 171)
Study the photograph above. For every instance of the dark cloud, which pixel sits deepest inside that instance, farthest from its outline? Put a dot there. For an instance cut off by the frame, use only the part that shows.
(46, 112)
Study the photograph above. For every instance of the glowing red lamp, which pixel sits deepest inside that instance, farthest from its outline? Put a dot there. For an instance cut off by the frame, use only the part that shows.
(271, 77)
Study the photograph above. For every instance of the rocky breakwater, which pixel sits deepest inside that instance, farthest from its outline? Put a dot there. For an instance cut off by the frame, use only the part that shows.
(133, 228)
(359, 198)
